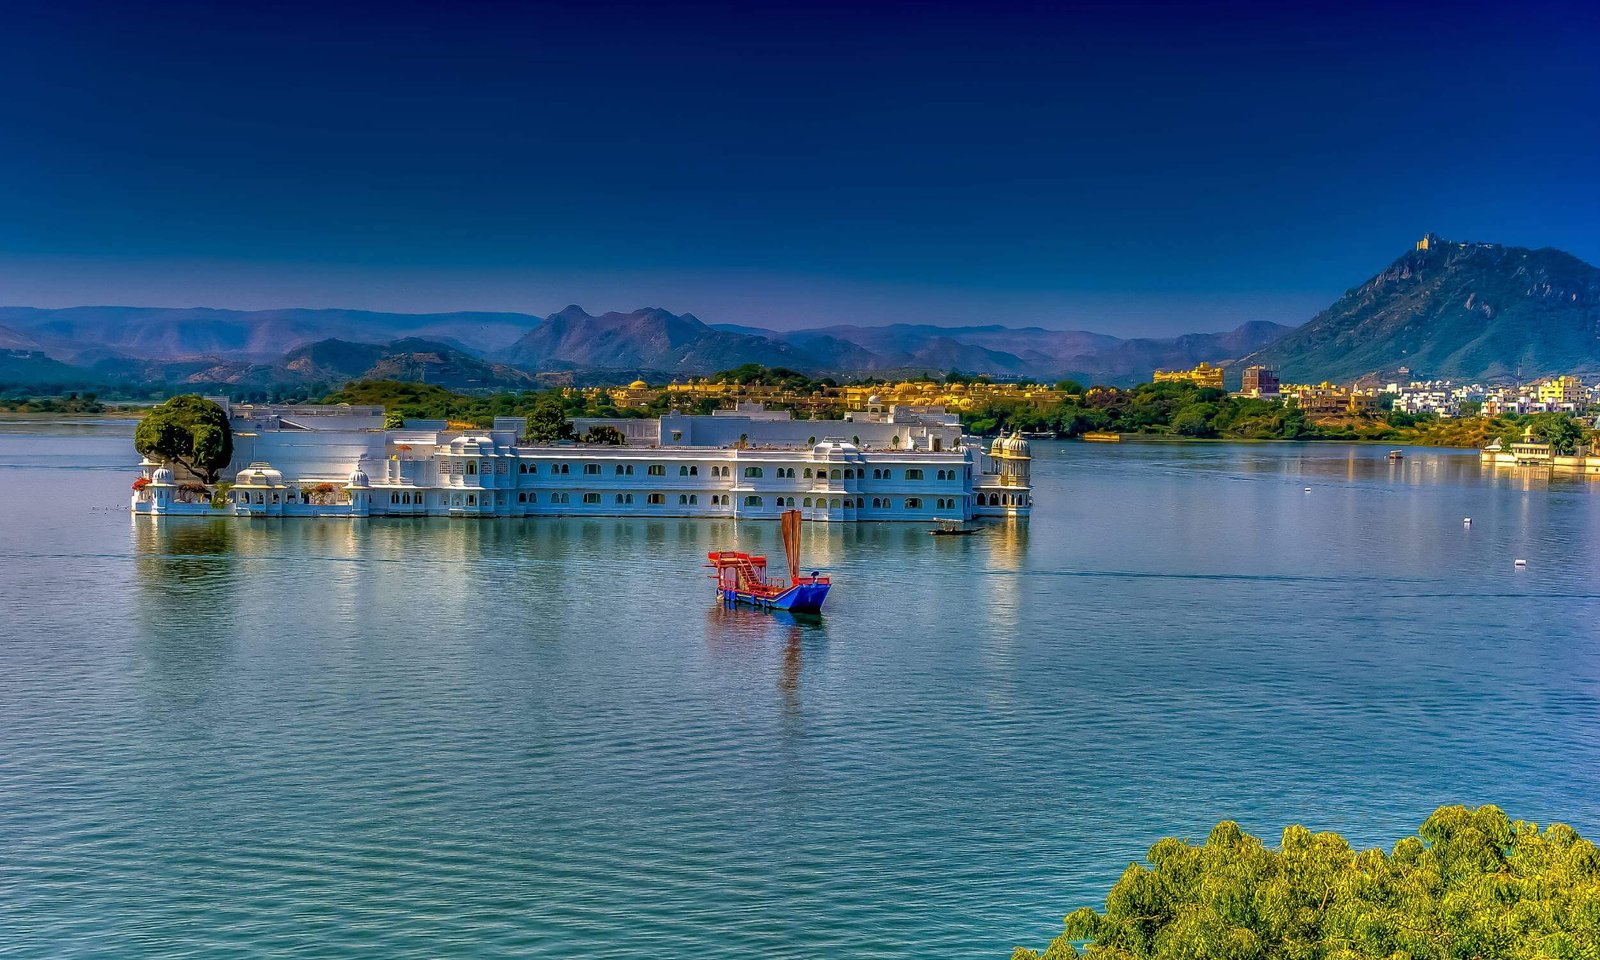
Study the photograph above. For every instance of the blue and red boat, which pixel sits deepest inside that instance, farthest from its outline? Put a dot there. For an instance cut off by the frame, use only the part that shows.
(742, 578)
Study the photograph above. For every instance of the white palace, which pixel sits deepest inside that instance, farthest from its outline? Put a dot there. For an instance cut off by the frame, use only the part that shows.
(903, 463)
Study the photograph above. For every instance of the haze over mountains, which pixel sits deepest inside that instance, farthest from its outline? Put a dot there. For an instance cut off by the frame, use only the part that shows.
(1467, 311)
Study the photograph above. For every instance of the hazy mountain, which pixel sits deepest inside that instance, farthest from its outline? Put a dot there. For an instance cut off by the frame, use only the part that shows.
(1018, 351)
(650, 339)
(16, 340)
(163, 333)
(32, 367)
(1459, 310)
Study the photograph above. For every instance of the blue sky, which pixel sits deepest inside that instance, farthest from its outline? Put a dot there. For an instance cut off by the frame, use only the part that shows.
(1130, 168)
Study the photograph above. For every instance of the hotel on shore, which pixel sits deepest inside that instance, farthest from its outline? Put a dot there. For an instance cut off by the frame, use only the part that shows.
(896, 463)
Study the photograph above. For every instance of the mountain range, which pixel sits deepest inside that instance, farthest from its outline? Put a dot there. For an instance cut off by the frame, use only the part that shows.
(1444, 309)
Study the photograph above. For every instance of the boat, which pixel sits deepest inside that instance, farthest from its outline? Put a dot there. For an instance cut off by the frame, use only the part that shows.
(1396, 454)
(951, 528)
(1099, 437)
(742, 577)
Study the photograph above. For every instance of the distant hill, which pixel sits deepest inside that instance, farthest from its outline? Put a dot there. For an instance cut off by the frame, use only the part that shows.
(164, 333)
(1475, 311)
(648, 339)
(31, 367)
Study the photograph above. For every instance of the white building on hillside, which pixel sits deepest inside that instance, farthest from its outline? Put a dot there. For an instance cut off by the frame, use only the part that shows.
(903, 463)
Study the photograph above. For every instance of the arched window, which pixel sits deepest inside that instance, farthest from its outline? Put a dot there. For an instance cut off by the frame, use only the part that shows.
(834, 503)
(849, 474)
(752, 501)
(807, 474)
(808, 503)
(683, 499)
(694, 499)
(876, 503)
(694, 471)
(835, 474)
(683, 471)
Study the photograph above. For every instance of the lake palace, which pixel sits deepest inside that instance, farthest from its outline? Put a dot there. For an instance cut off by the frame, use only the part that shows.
(905, 463)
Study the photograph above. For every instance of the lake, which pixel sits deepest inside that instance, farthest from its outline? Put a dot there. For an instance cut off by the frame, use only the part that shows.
(544, 737)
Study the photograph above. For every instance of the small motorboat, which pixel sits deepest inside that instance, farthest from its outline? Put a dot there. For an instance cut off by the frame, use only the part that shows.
(1397, 454)
(951, 528)
(742, 578)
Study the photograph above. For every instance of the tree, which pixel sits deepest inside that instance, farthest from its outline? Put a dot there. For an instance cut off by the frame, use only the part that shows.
(188, 430)
(1561, 431)
(1472, 883)
(602, 434)
(547, 423)
(393, 421)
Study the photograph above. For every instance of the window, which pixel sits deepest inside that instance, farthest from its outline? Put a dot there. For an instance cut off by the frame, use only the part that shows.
(522, 498)
(876, 503)
(694, 499)
(472, 467)
(565, 468)
(834, 503)
(394, 498)
(500, 466)
(522, 468)
(752, 472)
(849, 474)
(657, 470)
(472, 499)
(591, 498)
(808, 503)
(860, 503)
(913, 503)
(624, 470)
(683, 499)
(913, 474)
(683, 471)
(560, 498)
(808, 473)
(694, 471)
(835, 474)
(655, 499)
(877, 474)
(591, 469)
(752, 501)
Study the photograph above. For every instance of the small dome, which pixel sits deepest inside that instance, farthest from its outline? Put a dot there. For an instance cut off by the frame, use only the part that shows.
(358, 477)
(1017, 446)
(163, 474)
(874, 399)
(147, 463)
(259, 474)
(998, 447)
(638, 385)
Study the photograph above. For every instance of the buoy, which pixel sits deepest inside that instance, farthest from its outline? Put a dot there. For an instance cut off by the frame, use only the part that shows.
(1520, 563)
(1308, 489)
(1467, 521)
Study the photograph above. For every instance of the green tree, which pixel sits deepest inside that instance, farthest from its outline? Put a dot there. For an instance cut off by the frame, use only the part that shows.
(1560, 430)
(547, 423)
(188, 430)
(393, 421)
(1471, 884)
(602, 434)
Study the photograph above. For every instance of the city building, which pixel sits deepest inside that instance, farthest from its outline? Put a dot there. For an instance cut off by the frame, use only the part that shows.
(1204, 375)
(1563, 390)
(1259, 381)
(882, 463)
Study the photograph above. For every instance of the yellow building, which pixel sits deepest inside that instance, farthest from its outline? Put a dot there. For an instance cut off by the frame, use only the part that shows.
(1562, 390)
(1205, 375)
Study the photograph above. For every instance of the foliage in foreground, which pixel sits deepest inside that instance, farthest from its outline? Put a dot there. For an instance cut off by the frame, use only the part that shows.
(1472, 884)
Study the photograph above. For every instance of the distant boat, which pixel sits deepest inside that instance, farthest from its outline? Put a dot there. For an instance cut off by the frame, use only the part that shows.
(951, 528)
(1097, 437)
(1396, 454)
(742, 578)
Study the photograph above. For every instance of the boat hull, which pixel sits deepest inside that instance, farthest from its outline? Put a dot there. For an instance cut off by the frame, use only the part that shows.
(800, 598)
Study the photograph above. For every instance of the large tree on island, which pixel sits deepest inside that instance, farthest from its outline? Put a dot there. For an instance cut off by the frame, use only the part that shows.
(547, 423)
(1473, 883)
(188, 430)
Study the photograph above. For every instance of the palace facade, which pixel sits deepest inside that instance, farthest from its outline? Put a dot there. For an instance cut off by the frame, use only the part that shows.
(905, 464)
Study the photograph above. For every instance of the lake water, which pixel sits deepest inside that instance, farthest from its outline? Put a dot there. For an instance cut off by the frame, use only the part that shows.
(544, 738)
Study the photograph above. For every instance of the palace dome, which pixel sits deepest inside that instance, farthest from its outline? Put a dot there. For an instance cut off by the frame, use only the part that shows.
(1017, 446)
(358, 477)
(638, 385)
(163, 474)
(259, 474)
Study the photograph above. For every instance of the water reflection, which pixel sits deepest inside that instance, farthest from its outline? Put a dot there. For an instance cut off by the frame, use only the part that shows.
(185, 569)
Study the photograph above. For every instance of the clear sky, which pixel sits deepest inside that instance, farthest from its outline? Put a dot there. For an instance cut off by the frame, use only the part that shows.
(1130, 168)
